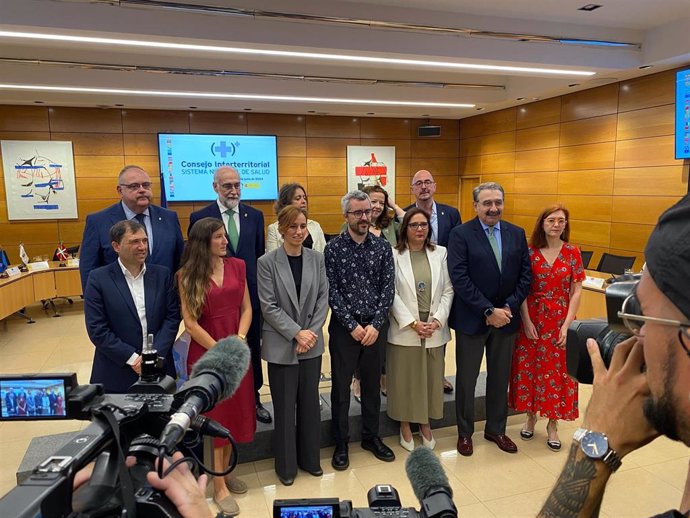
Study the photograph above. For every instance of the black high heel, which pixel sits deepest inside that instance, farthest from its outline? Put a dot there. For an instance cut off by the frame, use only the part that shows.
(553, 444)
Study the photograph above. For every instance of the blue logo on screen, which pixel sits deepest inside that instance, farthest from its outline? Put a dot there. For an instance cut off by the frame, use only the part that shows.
(224, 148)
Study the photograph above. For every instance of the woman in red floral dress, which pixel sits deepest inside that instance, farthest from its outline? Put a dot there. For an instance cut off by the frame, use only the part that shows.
(539, 380)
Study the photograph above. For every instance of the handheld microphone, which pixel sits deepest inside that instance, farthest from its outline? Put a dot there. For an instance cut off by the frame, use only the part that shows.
(215, 376)
(430, 484)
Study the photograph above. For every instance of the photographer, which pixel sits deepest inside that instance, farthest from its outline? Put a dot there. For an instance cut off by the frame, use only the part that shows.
(645, 391)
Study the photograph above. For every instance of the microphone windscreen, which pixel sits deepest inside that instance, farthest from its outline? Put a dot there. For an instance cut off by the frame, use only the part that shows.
(425, 472)
(229, 359)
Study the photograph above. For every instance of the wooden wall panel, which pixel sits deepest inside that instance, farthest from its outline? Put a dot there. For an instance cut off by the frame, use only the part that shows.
(590, 103)
(648, 91)
(628, 236)
(494, 122)
(650, 122)
(272, 124)
(532, 204)
(24, 118)
(92, 143)
(593, 208)
(588, 156)
(434, 148)
(537, 160)
(342, 127)
(590, 182)
(498, 163)
(507, 181)
(100, 167)
(589, 131)
(325, 185)
(85, 120)
(593, 233)
(437, 166)
(402, 147)
(326, 166)
(292, 146)
(642, 210)
(447, 185)
(541, 113)
(386, 128)
(536, 183)
(645, 152)
(538, 137)
(329, 147)
(155, 121)
(652, 181)
(292, 166)
(140, 144)
(470, 165)
(222, 123)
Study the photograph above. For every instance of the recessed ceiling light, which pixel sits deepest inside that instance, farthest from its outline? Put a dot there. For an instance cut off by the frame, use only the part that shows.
(589, 7)
(219, 95)
(192, 107)
(121, 42)
(247, 109)
(645, 67)
(371, 113)
(311, 111)
(119, 105)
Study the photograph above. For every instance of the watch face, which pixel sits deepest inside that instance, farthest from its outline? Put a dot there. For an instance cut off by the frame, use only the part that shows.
(594, 445)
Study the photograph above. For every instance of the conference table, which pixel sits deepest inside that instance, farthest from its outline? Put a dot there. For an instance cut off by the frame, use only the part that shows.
(593, 298)
(21, 290)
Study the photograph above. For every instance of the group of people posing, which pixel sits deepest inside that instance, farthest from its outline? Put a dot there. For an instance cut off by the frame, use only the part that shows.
(18, 402)
(396, 280)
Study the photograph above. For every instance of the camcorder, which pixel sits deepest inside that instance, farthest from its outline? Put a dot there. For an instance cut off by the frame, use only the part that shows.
(607, 333)
(148, 423)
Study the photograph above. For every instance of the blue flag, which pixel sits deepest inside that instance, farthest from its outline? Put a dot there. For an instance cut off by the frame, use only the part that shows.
(4, 260)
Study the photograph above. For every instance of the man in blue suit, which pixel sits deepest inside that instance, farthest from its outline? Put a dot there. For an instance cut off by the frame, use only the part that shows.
(244, 227)
(124, 302)
(489, 266)
(162, 226)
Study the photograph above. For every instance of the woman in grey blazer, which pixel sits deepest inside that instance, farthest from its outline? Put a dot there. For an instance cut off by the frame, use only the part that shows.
(293, 291)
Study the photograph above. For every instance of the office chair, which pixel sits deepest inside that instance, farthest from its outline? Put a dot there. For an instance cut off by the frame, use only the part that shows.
(50, 303)
(616, 264)
(586, 258)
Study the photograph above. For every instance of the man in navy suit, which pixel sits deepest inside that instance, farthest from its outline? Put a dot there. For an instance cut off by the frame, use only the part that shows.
(244, 227)
(489, 266)
(162, 226)
(124, 302)
(443, 217)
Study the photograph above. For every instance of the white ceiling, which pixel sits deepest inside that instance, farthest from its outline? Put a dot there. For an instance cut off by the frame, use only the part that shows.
(660, 29)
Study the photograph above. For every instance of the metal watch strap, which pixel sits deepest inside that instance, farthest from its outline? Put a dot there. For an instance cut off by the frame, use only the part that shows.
(610, 458)
(579, 434)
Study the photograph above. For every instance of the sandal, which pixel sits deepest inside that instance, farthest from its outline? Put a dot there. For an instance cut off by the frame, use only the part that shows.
(553, 444)
(526, 434)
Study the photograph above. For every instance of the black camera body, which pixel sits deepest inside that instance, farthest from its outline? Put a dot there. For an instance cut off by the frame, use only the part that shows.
(607, 333)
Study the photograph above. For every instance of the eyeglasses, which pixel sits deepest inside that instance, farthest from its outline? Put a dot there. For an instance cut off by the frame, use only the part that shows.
(137, 186)
(359, 213)
(230, 186)
(425, 183)
(631, 313)
(553, 221)
(415, 226)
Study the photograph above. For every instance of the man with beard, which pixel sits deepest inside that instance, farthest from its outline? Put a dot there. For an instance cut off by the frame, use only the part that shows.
(361, 278)
(162, 226)
(489, 266)
(244, 229)
(646, 390)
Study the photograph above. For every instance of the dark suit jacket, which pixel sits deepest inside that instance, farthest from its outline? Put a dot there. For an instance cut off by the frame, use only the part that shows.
(114, 327)
(96, 250)
(478, 282)
(448, 218)
(252, 243)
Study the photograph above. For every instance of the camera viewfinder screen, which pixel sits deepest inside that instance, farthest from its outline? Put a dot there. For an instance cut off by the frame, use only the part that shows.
(307, 511)
(33, 398)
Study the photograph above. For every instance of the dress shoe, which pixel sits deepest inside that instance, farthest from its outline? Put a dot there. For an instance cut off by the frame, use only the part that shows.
(408, 445)
(286, 481)
(340, 460)
(263, 415)
(431, 443)
(313, 472)
(228, 506)
(381, 451)
(502, 441)
(235, 485)
(465, 446)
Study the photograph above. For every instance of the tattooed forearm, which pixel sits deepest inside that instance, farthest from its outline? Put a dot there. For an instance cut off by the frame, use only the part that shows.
(579, 489)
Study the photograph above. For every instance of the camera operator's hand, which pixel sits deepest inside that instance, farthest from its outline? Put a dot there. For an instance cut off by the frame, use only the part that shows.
(187, 493)
(618, 395)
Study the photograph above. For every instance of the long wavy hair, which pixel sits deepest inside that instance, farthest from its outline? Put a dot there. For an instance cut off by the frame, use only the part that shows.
(384, 218)
(195, 272)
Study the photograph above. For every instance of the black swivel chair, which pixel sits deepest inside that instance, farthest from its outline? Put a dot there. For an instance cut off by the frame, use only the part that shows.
(50, 303)
(586, 258)
(616, 264)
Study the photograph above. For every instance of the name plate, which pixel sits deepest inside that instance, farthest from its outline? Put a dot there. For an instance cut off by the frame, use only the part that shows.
(12, 271)
(73, 263)
(38, 266)
(594, 282)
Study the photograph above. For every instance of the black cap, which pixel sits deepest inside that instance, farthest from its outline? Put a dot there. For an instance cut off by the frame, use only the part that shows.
(668, 254)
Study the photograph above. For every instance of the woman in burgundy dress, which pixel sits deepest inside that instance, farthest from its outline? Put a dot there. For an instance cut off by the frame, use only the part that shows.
(215, 304)
(539, 380)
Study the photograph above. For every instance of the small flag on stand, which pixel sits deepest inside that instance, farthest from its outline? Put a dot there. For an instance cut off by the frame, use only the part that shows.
(61, 252)
(4, 260)
(23, 255)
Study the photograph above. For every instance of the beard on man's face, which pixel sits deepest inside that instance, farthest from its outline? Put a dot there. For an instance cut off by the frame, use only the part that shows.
(661, 412)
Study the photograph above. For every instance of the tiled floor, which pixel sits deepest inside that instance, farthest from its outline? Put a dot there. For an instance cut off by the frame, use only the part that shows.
(488, 484)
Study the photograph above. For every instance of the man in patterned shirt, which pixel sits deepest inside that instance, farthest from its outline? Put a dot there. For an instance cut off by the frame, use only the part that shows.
(361, 279)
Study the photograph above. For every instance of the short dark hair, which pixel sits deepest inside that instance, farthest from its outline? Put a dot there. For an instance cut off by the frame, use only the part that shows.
(119, 229)
(285, 195)
(402, 240)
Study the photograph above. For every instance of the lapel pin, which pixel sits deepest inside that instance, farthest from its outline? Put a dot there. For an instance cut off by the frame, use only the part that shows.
(443, 213)
(245, 214)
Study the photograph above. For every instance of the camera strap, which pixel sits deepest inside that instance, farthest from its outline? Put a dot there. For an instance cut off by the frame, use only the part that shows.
(126, 484)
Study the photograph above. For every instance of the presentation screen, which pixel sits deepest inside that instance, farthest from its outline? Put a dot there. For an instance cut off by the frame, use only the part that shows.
(683, 114)
(187, 163)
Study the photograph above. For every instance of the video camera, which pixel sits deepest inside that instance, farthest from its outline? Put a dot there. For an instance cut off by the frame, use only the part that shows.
(147, 423)
(607, 333)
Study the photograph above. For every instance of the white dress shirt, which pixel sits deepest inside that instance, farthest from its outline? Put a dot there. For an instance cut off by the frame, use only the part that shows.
(147, 223)
(136, 288)
(226, 216)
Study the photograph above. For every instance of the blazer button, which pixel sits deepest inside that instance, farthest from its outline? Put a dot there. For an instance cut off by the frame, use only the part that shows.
(308, 316)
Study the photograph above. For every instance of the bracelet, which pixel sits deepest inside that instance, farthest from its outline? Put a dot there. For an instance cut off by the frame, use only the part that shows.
(242, 337)
(414, 324)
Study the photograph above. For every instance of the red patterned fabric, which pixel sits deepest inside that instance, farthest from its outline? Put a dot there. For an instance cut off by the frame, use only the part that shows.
(539, 380)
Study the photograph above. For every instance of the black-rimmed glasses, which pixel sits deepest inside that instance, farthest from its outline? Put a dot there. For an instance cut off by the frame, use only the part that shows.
(359, 213)
(137, 186)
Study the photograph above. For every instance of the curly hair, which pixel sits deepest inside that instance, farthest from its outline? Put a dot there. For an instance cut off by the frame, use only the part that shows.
(384, 218)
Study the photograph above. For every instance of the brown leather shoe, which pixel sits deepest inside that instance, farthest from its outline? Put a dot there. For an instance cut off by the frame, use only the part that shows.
(502, 441)
(465, 446)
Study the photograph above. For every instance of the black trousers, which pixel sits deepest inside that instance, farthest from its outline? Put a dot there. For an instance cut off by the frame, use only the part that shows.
(346, 355)
(297, 416)
(469, 350)
(254, 343)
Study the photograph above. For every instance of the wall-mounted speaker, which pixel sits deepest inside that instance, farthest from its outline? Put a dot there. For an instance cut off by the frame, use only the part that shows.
(428, 131)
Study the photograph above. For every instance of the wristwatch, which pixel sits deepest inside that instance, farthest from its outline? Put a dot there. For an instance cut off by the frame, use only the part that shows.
(596, 446)
(488, 312)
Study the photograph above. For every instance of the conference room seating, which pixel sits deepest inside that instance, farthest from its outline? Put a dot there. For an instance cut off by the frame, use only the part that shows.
(586, 257)
(616, 264)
